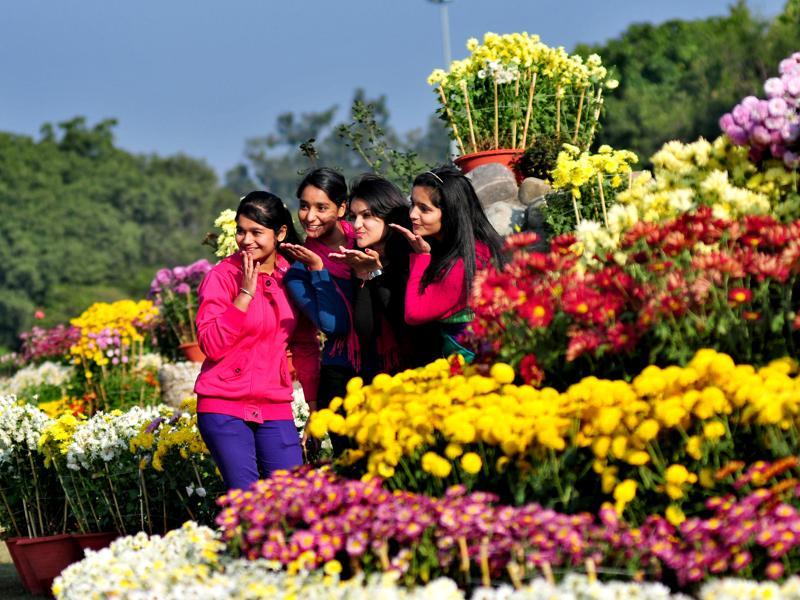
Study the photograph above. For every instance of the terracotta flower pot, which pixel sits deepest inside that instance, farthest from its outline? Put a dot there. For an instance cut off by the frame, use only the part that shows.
(95, 541)
(48, 556)
(191, 351)
(23, 567)
(503, 156)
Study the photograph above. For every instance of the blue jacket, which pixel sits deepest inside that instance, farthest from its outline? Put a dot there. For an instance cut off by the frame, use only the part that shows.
(315, 294)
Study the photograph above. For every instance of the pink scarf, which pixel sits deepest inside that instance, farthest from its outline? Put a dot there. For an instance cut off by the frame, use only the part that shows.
(342, 271)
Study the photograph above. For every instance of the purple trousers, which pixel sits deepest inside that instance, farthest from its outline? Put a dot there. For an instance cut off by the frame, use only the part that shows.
(246, 452)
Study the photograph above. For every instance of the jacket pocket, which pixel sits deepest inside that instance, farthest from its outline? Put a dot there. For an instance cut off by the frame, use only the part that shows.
(230, 373)
(286, 376)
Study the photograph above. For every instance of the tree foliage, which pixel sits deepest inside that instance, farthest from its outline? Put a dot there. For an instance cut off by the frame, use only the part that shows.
(363, 141)
(84, 220)
(678, 78)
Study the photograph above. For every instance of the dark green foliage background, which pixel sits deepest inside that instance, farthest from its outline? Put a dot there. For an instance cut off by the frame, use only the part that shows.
(84, 221)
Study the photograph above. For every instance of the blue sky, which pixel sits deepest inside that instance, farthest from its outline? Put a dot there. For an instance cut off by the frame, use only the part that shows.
(201, 76)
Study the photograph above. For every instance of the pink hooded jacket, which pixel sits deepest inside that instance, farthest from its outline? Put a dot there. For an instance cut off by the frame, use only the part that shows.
(246, 371)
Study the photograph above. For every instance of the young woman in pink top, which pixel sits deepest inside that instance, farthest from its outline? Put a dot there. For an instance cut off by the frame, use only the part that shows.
(451, 239)
(245, 324)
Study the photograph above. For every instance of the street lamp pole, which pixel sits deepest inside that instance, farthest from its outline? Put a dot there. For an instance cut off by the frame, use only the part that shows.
(445, 18)
(445, 30)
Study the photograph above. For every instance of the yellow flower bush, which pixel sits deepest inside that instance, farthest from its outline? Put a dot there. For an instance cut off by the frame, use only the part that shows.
(428, 427)
(106, 328)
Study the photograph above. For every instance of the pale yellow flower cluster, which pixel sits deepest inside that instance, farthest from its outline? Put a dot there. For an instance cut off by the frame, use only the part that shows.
(527, 53)
(690, 175)
(226, 242)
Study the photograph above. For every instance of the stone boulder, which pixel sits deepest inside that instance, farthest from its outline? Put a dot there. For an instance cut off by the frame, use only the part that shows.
(493, 183)
(506, 217)
(532, 189)
(177, 381)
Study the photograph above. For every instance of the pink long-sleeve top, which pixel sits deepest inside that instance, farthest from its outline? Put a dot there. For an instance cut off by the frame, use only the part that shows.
(246, 371)
(443, 298)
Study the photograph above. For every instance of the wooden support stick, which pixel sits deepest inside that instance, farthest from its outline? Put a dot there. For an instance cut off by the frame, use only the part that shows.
(514, 120)
(528, 112)
(469, 116)
(578, 118)
(602, 198)
(496, 118)
(452, 120)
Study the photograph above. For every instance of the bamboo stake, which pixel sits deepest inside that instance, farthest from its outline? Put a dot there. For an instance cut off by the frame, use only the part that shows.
(514, 121)
(496, 118)
(486, 578)
(36, 492)
(602, 198)
(27, 517)
(578, 118)
(577, 212)
(383, 554)
(559, 93)
(114, 496)
(452, 120)
(548, 573)
(80, 516)
(597, 108)
(146, 503)
(513, 573)
(462, 547)
(10, 514)
(191, 315)
(531, 91)
(591, 572)
(469, 117)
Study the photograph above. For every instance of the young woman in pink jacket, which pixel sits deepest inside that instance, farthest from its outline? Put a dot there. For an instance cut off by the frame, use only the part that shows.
(245, 324)
(451, 239)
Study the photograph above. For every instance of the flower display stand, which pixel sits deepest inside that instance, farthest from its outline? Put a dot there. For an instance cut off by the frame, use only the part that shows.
(191, 351)
(503, 156)
(95, 541)
(39, 560)
(23, 567)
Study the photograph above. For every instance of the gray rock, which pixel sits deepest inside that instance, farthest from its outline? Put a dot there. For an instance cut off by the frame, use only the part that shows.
(505, 217)
(493, 183)
(532, 189)
(535, 221)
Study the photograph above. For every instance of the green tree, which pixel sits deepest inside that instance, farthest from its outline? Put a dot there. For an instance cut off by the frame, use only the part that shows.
(678, 78)
(84, 220)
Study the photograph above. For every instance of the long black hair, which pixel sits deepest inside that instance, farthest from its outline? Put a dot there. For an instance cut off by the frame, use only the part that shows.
(385, 201)
(463, 224)
(269, 211)
(329, 181)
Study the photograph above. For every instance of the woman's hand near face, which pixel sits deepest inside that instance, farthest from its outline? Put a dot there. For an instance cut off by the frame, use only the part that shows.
(302, 254)
(417, 242)
(361, 262)
(249, 282)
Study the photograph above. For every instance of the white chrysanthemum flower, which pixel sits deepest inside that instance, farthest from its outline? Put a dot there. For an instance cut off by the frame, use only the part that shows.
(46, 373)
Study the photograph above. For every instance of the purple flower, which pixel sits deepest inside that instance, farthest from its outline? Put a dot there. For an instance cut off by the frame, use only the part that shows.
(179, 273)
(777, 107)
(792, 84)
(773, 87)
(163, 276)
(737, 135)
(741, 115)
(182, 288)
(761, 136)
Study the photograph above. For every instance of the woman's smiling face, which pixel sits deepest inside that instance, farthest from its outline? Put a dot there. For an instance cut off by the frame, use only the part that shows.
(318, 214)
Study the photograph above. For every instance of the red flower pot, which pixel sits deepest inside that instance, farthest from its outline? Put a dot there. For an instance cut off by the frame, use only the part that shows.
(23, 567)
(191, 351)
(95, 541)
(48, 556)
(504, 156)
